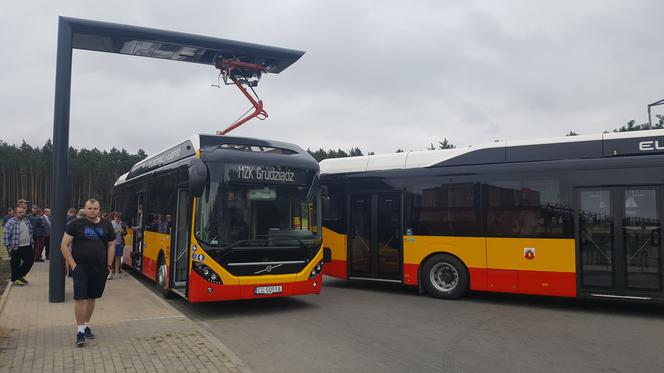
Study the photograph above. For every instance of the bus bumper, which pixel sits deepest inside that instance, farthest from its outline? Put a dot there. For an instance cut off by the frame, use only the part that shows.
(201, 290)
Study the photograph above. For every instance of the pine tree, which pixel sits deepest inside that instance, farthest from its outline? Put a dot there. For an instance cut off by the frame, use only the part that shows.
(25, 172)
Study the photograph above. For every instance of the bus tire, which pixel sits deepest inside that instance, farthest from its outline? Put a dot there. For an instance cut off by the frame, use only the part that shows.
(445, 276)
(162, 276)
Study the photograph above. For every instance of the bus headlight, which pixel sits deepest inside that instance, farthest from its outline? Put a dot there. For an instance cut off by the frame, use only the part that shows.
(206, 272)
(316, 270)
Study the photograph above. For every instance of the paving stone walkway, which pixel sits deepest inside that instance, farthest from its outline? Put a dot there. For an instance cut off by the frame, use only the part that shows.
(136, 332)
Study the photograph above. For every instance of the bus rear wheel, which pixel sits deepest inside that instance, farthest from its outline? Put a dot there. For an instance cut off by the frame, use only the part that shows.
(162, 276)
(445, 276)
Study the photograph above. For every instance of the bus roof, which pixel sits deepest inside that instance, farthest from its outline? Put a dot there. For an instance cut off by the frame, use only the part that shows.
(605, 145)
(193, 146)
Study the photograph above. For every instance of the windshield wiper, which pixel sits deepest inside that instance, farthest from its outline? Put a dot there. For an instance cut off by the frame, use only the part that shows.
(286, 236)
(263, 241)
(236, 243)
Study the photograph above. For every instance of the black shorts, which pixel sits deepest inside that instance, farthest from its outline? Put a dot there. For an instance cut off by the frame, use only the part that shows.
(88, 283)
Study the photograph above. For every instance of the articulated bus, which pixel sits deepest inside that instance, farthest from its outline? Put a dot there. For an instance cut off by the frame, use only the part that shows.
(579, 216)
(219, 218)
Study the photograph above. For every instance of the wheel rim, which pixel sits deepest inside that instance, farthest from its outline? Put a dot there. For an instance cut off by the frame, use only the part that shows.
(444, 277)
(161, 276)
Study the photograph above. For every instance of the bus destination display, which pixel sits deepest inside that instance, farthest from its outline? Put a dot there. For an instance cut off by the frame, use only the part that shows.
(266, 174)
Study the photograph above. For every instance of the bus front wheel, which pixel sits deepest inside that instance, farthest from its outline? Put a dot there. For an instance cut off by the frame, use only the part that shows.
(162, 276)
(445, 276)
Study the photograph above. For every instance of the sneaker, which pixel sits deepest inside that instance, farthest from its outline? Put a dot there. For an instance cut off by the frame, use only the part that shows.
(110, 276)
(88, 333)
(18, 282)
(24, 280)
(80, 339)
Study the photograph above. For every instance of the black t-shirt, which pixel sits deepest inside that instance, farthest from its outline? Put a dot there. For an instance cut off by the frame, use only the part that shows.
(89, 248)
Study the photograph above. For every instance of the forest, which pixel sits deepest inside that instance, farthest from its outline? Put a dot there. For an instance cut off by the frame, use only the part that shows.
(25, 171)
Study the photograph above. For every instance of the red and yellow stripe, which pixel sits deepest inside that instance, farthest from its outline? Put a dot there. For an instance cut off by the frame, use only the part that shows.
(494, 264)
(336, 242)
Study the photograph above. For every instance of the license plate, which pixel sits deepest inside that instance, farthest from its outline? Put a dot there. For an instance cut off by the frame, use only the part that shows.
(261, 290)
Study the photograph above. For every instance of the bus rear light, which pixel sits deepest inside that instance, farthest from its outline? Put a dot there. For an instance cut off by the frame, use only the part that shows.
(206, 272)
(316, 270)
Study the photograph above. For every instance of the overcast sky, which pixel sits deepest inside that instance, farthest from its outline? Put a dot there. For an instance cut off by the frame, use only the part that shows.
(380, 75)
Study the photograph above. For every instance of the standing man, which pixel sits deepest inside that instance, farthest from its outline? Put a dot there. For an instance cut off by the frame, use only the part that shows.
(19, 240)
(92, 242)
(38, 231)
(120, 231)
(47, 231)
(71, 215)
(23, 203)
(10, 214)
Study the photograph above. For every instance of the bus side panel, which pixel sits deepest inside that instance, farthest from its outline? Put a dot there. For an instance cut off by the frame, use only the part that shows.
(532, 266)
(470, 250)
(338, 266)
(154, 243)
(126, 254)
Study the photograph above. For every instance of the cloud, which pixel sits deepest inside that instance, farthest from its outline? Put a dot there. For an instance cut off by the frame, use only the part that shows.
(378, 75)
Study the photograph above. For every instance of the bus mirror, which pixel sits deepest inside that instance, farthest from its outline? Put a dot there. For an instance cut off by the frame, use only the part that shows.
(198, 175)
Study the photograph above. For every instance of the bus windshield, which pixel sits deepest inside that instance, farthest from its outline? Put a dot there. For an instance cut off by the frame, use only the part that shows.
(239, 214)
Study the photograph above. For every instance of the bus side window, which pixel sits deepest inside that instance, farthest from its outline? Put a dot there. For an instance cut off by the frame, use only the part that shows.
(333, 208)
(444, 210)
(530, 208)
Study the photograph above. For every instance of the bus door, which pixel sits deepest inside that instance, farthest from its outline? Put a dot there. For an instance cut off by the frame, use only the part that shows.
(619, 241)
(139, 229)
(375, 240)
(180, 256)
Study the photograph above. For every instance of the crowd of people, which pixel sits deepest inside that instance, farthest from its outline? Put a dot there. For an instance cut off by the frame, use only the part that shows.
(39, 229)
(92, 246)
(40, 221)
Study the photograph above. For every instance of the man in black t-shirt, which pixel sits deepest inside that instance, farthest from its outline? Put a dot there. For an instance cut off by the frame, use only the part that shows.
(92, 248)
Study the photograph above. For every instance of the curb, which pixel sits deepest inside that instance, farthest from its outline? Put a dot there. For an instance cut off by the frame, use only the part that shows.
(214, 340)
(5, 295)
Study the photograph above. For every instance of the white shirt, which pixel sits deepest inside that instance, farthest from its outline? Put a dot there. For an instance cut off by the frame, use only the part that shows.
(24, 235)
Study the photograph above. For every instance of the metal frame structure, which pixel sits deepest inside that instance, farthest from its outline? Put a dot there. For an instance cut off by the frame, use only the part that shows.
(656, 103)
(107, 37)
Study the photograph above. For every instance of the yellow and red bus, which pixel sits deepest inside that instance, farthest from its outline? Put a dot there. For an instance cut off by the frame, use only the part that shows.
(578, 216)
(218, 218)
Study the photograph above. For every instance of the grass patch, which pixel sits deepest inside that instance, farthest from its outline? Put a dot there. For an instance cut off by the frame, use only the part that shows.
(5, 271)
(3, 249)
